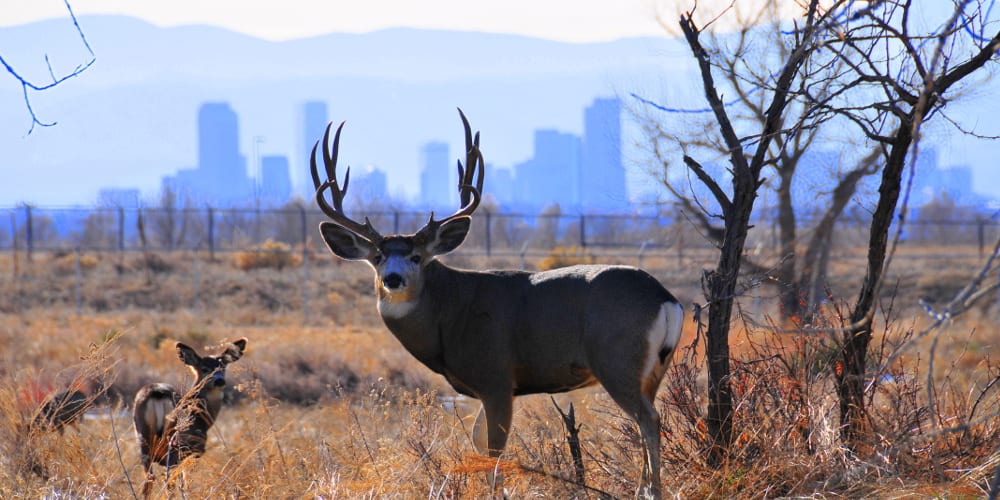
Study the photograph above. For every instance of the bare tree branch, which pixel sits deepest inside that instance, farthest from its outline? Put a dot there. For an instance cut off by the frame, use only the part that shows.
(28, 85)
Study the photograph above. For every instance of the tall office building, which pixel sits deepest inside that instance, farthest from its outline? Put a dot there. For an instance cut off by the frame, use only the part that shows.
(315, 117)
(551, 175)
(220, 164)
(220, 177)
(602, 176)
(436, 184)
(275, 181)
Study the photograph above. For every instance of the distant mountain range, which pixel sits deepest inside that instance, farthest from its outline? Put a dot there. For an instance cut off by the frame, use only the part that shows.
(130, 119)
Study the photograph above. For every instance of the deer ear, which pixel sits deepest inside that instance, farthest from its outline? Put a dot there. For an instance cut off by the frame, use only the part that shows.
(450, 235)
(235, 351)
(241, 344)
(187, 354)
(345, 243)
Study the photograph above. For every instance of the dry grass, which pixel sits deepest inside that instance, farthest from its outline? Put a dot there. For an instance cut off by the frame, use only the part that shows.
(333, 407)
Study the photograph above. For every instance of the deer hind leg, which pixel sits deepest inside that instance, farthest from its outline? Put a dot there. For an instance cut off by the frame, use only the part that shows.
(147, 483)
(649, 426)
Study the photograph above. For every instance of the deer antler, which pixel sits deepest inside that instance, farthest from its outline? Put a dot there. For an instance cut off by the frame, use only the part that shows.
(336, 212)
(472, 171)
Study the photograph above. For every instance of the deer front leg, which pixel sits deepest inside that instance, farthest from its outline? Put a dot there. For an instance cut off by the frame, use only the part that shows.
(479, 432)
(499, 411)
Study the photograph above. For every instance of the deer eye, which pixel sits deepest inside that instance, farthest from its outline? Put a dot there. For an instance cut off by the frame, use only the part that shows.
(378, 258)
(415, 259)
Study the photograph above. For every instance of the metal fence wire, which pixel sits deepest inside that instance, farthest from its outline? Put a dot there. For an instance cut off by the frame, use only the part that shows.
(29, 229)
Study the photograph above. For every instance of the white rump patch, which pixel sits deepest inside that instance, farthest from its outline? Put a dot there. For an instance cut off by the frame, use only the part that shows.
(665, 332)
(156, 413)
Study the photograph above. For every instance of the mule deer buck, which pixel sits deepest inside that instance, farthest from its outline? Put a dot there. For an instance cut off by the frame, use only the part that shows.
(494, 335)
(172, 426)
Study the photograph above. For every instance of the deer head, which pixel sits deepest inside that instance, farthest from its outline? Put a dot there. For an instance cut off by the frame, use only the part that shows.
(398, 260)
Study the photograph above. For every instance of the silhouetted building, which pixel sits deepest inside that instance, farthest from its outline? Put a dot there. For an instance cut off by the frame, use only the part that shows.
(602, 176)
(369, 188)
(275, 181)
(499, 183)
(552, 174)
(436, 186)
(221, 175)
(315, 118)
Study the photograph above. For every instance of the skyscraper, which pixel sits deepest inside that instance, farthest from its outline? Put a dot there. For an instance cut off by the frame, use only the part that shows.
(221, 174)
(552, 174)
(602, 177)
(435, 175)
(219, 161)
(275, 182)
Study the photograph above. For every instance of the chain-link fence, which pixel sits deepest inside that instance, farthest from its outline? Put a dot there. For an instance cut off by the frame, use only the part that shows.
(29, 229)
(168, 259)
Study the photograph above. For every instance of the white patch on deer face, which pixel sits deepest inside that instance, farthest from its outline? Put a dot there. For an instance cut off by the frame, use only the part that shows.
(391, 307)
(397, 279)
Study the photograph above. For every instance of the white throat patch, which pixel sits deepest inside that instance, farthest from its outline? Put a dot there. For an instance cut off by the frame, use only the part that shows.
(389, 308)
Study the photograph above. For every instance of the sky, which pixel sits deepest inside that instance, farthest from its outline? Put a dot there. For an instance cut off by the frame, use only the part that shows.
(563, 20)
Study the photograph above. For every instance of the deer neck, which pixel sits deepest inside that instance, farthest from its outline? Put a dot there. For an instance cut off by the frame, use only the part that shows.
(212, 401)
(419, 329)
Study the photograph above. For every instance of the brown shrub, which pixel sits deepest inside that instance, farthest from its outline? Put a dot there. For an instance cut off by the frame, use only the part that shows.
(566, 256)
(268, 255)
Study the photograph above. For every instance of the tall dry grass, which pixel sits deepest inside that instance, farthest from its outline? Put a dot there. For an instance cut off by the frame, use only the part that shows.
(335, 408)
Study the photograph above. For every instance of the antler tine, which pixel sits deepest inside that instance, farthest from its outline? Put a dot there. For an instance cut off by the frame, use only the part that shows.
(468, 173)
(336, 211)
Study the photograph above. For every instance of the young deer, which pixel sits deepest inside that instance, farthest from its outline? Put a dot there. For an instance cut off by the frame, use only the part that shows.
(172, 426)
(66, 407)
(495, 335)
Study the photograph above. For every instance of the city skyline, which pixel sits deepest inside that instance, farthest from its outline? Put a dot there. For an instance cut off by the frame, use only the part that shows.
(130, 120)
(553, 175)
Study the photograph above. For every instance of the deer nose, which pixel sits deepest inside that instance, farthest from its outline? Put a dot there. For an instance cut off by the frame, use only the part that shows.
(218, 380)
(393, 281)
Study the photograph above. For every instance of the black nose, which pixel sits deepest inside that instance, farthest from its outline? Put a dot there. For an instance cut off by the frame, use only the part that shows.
(219, 382)
(393, 281)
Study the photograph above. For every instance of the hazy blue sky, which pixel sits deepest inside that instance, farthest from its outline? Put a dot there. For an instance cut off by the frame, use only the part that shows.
(562, 20)
(565, 20)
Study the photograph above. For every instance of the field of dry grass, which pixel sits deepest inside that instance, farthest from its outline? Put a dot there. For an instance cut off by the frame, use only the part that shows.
(327, 404)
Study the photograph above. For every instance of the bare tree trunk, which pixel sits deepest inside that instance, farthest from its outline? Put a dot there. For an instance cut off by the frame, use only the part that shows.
(791, 291)
(736, 210)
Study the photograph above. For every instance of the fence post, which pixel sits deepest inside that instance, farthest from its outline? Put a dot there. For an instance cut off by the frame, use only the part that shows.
(981, 234)
(305, 267)
(395, 221)
(121, 230)
(29, 235)
(195, 280)
(78, 285)
(211, 234)
(489, 229)
(13, 234)
(583, 231)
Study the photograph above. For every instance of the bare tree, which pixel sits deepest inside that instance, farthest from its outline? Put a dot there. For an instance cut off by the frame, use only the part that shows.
(747, 61)
(902, 74)
(845, 63)
(29, 85)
